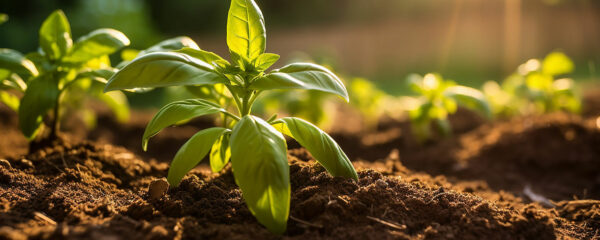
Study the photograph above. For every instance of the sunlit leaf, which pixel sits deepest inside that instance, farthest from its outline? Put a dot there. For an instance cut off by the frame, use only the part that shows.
(322, 147)
(261, 170)
(246, 34)
(202, 55)
(265, 60)
(9, 100)
(41, 96)
(55, 35)
(220, 153)
(171, 45)
(192, 152)
(302, 76)
(96, 44)
(178, 111)
(163, 69)
(557, 63)
(15, 62)
(470, 98)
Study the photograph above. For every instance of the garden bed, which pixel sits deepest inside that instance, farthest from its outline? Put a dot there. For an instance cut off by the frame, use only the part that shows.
(529, 178)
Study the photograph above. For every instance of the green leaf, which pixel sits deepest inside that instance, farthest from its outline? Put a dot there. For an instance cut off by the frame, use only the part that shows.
(260, 168)
(3, 18)
(265, 60)
(220, 153)
(302, 76)
(163, 69)
(96, 44)
(55, 35)
(41, 96)
(192, 152)
(10, 100)
(470, 98)
(178, 111)
(15, 62)
(129, 54)
(202, 55)
(171, 45)
(118, 104)
(557, 63)
(12, 81)
(246, 34)
(99, 75)
(322, 147)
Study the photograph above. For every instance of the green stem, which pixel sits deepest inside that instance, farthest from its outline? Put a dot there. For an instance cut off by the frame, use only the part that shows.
(56, 121)
(238, 104)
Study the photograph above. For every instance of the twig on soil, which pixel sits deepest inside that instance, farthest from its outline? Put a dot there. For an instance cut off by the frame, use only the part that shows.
(62, 156)
(343, 200)
(436, 196)
(389, 224)
(44, 217)
(305, 222)
(54, 165)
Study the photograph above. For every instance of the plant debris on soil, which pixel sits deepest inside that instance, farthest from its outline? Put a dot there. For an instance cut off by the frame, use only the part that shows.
(523, 178)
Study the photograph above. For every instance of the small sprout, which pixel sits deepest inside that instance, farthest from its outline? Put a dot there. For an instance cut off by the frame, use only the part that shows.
(256, 148)
(59, 73)
(439, 98)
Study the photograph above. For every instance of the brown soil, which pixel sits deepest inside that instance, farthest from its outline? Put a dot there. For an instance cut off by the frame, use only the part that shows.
(88, 191)
(523, 178)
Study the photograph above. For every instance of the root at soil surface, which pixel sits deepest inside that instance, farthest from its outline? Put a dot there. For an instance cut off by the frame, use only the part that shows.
(87, 191)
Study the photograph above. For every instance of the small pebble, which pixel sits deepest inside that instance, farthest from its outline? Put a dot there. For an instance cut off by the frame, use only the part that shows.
(158, 188)
(5, 163)
(27, 163)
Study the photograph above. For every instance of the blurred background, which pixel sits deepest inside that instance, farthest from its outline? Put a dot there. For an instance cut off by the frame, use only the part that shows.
(469, 41)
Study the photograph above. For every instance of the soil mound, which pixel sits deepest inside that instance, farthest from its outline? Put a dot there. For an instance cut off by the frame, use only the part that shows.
(89, 191)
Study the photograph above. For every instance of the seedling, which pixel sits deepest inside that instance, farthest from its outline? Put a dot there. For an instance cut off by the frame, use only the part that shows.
(255, 147)
(59, 67)
(439, 98)
(533, 88)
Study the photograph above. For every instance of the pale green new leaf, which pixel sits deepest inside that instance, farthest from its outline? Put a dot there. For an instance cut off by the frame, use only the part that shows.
(302, 76)
(163, 69)
(265, 60)
(171, 45)
(205, 56)
(220, 153)
(41, 96)
(15, 62)
(246, 34)
(557, 63)
(55, 35)
(470, 98)
(322, 147)
(192, 152)
(9, 100)
(118, 104)
(261, 170)
(96, 44)
(178, 111)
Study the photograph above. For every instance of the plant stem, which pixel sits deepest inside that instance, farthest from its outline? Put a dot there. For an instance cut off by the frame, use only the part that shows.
(56, 121)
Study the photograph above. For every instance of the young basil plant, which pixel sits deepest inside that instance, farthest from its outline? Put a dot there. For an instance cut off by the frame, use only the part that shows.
(255, 147)
(533, 88)
(439, 98)
(60, 66)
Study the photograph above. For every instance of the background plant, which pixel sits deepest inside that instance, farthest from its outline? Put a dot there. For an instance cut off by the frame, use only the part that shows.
(255, 147)
(535, 89)
(59, 67)
(437, 99)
